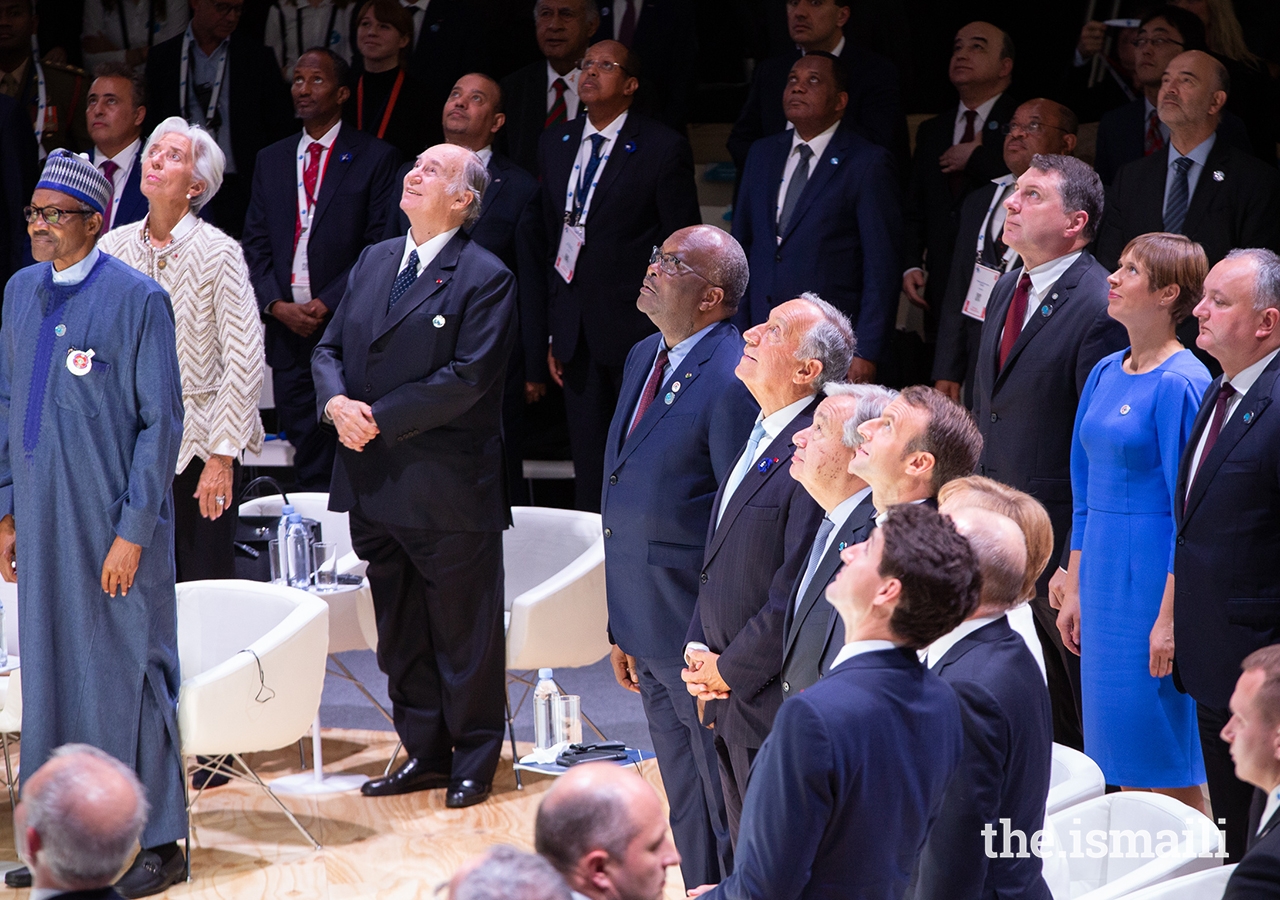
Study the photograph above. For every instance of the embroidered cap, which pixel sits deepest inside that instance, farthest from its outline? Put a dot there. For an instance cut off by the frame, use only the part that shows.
(72, 174)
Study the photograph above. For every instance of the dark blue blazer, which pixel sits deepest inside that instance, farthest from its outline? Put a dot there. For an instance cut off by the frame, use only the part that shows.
(1226, 586)
(844, 240)
(846, 786)
(1257, 877)
(1008, 752)
(1122, 136)
(1026, 410)
(524, 100)
(666, 44)
(752, 561)
(432, 369)
(351, 213)
(133, 206)
(659, 486)
(809, 644)
(644, 193)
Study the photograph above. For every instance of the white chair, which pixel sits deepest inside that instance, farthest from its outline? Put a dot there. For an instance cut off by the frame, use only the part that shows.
(253, 664)
(1075, 778)
(1116, 844)
(1201, 886)
(10, 724)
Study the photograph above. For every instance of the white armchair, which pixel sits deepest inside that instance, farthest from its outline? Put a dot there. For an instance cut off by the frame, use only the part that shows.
(1207, 885)
(253, 664)
(10, 724)
(1075, 778)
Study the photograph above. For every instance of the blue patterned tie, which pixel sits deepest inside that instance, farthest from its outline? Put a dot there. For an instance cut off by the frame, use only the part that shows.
(815, 557)
(742, 468)
(1175, 209)
(584, 183)
(408, 275)
(795, 187)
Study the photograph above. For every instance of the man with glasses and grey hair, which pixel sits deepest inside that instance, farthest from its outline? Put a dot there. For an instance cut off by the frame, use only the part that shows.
(762, 523)
(410, 373)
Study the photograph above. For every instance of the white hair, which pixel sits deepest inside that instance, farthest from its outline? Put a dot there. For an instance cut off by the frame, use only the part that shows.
(1266, 282)
(831, 341)
(207, 159)
(872, 399)
(474, 177)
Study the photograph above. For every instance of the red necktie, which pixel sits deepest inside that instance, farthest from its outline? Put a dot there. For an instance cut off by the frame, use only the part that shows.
(559, 112)
(650, 392)
(310, 175)
(109, 169)
(1225, 393)
(1013, 321)
(956, 179)
(627, 27)
(1154, 142)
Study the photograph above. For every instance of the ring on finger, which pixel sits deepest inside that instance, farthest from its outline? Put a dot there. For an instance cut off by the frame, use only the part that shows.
(220, 499)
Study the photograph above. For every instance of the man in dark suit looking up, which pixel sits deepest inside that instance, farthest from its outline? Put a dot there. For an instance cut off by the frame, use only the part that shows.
(1008, 729)
(300, 244)
(762, 523)
(115, 109)
(1253, 731)
(851, 777)
(1046, 327)
(1226, 587)
(680, 424)
(614, 183)
(410, 374)
(545, 93)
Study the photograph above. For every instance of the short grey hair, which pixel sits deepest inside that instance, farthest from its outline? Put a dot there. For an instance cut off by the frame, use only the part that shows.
(567, 828)
(1266, 279)
(83, 853)
(208, 162)
(1079, 185)
(872, 399)
(831, 341)
(510, 874)
(591, 8)
(474, 178)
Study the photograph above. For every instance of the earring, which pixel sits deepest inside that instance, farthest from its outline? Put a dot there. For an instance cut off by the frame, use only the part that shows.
(188, 196)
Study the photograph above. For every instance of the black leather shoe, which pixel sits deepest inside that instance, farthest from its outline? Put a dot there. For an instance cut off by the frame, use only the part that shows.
(209, 778)
(18, 878)
(151, 874)
(466, 793)
(414, 775)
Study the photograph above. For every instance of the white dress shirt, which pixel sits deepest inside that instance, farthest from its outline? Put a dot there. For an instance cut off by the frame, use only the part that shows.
(773, 425)
(610, 133)
(570, 91)
(418, 11)
(485, 154)
(300, 278)
(428, 250)
(675, 356)
(1273, 803)
(124, 162)
(1043, 278)
(857, 648)
(1199, 155)
(984, 112)
(932, 654)
(77, 272)
(818, 144)
(1242, 382)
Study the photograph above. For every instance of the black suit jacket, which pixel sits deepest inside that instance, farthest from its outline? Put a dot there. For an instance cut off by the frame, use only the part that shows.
(666, 42)
(874, 109)
(644, 192)
(351, 213)
(432, 369)
(510, 227)
(261, 111)
(1026, 410)
(1240, 209)
(1122, 136)
(524, 100)
(449, 45)
(1257, 876)
(753, 559)
(1008, 750)
(17, 180)
(932, 211)
(807, 646)
(1226, 587)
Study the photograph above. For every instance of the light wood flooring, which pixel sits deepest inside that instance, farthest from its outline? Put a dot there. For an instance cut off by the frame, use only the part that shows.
(398, 848)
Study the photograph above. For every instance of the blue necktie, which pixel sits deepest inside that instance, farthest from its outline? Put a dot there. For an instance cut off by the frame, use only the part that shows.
(741, 469)
(815, 557)
(1175, 210)
(408, 275)
(584, 183)
(795, 187)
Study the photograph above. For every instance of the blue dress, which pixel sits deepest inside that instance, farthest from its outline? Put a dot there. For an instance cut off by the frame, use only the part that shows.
(1129, 435)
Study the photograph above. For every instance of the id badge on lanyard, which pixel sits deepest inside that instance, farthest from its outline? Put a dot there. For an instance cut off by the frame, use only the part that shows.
(981, 285)
(572, 238)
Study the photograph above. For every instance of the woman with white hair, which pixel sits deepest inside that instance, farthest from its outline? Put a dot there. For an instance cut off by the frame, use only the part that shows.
(218, 335)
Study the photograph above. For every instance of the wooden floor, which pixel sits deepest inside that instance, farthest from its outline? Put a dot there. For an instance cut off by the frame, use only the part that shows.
(398, 848)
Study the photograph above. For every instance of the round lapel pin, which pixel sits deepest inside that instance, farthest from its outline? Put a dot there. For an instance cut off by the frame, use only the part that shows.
(1218, 175)
(80, 362)
(1124, 410)
(765, 465)
(438, 321)
(842, 545)
(669, 399)
(675, 386)
(1045, 310)
(1248, 417)
(60, 330)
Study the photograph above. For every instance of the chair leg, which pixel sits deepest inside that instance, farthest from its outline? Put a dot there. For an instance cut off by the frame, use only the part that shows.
(302, 755)
(392, 761)
(8, 771)
(253, 776)
(346, 673)
(186, 797)
(511, 730)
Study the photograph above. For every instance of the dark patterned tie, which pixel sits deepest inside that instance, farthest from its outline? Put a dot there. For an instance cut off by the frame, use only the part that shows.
(408, 275)
(1155, 140)
(559, 111)
(1175, 209)
(627, 27)
(795, 187)
(956, 179)
(1013, 321)
(650, 392)
(109, 169)
(815, 556)
(1225, 393)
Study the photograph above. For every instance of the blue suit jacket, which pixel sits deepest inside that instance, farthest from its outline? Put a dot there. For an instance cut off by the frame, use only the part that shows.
(659, 485)
(846, 786)
(133, 206)
(1008, 750)
(844, 240)
(351, 214)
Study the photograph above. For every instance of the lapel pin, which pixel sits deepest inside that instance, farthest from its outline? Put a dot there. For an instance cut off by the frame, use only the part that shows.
(765, 465)
(1124, 410)
(688, 374)
(435, 27)
(1045, 310)
(630, 146)
(438, 321)
(60, 330)
(346, 157)
(565, 139)
(675, 386)
(439, 281)
(669, 399)
(80, 362)
(835, 160)
(840, 547)
(1054, 297)
(1218, 175)
(992, 125)
(1248, 417)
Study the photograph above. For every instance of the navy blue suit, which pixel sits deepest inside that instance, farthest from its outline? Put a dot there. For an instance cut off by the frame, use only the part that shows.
(656, 503)
(1008, 750)
(1257, 876)
(752, 560)
(351, 213)
(844, 240)
(849, 781)
(133, 206)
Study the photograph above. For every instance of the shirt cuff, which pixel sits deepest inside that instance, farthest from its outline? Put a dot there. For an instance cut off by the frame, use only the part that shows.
(328, 415)
(226, 448)
(691, 646)
(912, 269)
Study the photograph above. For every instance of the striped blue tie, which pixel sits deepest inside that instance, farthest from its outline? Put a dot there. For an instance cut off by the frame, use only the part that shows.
(1175, 207)
(408, 275)
(815, 556)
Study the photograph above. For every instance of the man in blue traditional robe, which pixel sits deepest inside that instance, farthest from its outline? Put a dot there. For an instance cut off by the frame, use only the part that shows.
(90, 423)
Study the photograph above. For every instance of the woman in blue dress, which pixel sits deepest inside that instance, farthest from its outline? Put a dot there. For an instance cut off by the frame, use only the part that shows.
(1134, 418)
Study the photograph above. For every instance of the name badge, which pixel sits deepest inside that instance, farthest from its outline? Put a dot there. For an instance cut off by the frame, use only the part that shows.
(80, 362)
(572, 238)
(981, 285)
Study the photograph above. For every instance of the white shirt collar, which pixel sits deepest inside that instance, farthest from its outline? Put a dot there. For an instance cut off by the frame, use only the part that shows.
(325, 140)
(609, 131)
(570, 79)
(1273, 803)
(932, 654)
(982, 109)
(1045, 275)
(123, 159)
(485, 154)
(845, 508)
(420, 4)
(1246, 377)
(427, 251)
(817, 143)
(74, 274)
(776, 421)
(857, 648)
(184, 226)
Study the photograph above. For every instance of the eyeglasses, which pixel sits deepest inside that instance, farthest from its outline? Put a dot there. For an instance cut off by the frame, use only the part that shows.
(1155, 43)
(669, 264)
(1032, 127)
(51, 214)
(603, 65)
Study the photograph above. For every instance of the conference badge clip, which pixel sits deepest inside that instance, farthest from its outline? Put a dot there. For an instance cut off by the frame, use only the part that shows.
(79, 362)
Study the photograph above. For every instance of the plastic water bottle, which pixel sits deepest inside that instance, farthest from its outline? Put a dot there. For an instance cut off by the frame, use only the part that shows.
(282, 535)
(298, 553)
(543, 726)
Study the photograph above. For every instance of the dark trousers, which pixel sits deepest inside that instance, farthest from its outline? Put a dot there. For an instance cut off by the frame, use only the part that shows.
(313, 445)
(1062, 671)
(203, 548)
(590, 396)
(735, 767)
(437, 596)
(687, 759)
(513, 429)
(1229, 796)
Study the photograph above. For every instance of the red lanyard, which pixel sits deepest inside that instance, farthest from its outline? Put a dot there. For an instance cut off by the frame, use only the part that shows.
(391, 103)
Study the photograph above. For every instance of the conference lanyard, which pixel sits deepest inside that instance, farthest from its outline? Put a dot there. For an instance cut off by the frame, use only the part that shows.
(1009, 254)
(386, 113)
(124, 26)
(42, 97)
(307, 205)
(329, 36)
(215, 93)
(578, 196)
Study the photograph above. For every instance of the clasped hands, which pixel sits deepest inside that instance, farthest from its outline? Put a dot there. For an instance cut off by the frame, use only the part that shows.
(354, 421)
(702, 675)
